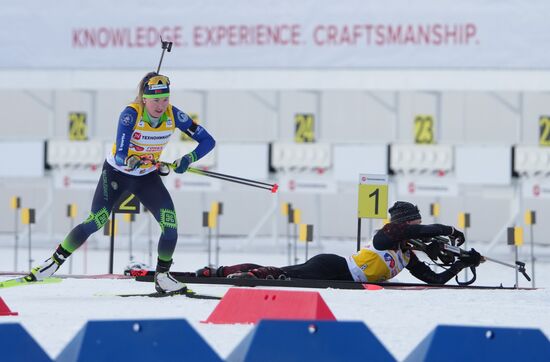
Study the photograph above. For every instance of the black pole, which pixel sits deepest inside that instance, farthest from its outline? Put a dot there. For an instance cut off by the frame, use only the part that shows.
(166, 45)
(231, 179)
(212, 173)
(130, 239)
(112, 247)
(358, 233)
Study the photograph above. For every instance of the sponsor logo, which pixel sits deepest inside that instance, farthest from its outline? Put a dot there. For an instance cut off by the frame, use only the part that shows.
(114, 185)
(168, 122)
(141, 124)
(389, 260)
(136, 147)
(122, 139)
(127, 120)
(153, 149)
(158, 86)
(199, 130)
(137, 135)
(154, 137)
(182, 117)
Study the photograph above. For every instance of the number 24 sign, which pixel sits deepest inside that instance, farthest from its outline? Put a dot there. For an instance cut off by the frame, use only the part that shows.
(373, 196)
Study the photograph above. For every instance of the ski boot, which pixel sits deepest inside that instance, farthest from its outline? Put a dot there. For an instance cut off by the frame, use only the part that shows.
(49, 267)
(164, 281)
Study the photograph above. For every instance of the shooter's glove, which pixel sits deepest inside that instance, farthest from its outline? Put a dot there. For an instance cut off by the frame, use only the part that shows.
(457, 236)
(472, 259)
(182, 164)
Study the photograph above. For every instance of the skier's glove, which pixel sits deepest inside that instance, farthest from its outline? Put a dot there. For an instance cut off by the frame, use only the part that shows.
(163, 169)
(472, 259)
(182, 164)
(133, 162)
(457, 236)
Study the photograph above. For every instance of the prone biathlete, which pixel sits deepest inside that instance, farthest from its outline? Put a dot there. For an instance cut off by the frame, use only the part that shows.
(387, 255)
(144, 129)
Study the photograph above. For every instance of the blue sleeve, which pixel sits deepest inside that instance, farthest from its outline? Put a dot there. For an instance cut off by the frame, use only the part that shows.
(196, 132)
(126, 123)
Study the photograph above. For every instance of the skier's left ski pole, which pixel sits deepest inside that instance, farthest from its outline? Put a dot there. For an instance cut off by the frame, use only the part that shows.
(240, 180)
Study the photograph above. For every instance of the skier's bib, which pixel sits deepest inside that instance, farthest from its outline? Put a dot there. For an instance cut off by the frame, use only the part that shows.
(146, 140)
(371, 265)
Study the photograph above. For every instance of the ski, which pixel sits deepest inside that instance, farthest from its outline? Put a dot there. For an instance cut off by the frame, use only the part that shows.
(21, 281)
(187, 293)
(147, 276)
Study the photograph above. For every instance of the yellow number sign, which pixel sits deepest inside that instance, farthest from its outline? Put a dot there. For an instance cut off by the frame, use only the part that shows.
(78, 129)
(305, 128)
(424, 129)
(544, 131)
(373, 196)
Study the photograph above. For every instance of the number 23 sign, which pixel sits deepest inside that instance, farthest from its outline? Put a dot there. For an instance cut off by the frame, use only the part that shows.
(373, 196)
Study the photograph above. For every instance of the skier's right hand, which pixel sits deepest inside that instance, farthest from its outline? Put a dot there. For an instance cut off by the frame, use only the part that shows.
(133, 162)
(457, 236)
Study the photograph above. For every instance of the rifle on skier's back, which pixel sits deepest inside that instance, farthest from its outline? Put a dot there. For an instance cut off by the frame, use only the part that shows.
(443, 252)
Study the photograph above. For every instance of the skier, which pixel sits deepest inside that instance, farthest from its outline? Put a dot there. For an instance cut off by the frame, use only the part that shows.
(380, 261)
(144, 129)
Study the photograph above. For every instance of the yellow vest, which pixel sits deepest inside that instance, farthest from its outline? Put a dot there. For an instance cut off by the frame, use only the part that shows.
(146, 141)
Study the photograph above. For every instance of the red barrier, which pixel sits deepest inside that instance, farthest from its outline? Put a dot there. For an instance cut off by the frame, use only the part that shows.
(240, 305)
(4, 309)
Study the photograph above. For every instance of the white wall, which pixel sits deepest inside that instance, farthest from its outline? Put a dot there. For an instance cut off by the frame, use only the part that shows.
(470, 118)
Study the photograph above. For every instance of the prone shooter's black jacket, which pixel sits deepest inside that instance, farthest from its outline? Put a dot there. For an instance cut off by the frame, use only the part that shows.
(395, 235)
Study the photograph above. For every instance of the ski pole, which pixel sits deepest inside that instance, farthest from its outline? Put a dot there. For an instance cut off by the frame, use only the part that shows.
(243, 181)
(273, 188)
(209, 173)
(519, 266)
(166, 45)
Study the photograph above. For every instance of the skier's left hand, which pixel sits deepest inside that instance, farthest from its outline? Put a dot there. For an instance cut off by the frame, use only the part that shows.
(182, 164)
(473, 258)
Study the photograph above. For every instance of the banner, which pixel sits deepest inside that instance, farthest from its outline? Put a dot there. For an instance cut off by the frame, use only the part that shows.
(535, 189)
(507, 34)
(427, 187)
(307, 185)
(76, 179)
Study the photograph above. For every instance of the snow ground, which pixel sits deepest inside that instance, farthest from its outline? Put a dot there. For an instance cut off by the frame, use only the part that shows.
(54, 313)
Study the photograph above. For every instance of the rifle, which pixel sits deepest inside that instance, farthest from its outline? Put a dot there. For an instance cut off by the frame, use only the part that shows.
(443, 249)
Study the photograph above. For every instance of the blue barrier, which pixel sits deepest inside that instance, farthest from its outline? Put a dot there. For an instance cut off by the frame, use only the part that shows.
(285, 340)
(17, 345)
(461, 343)
(138, 340)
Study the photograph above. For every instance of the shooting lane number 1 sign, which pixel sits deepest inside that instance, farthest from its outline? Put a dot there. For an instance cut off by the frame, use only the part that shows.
(372, 200)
